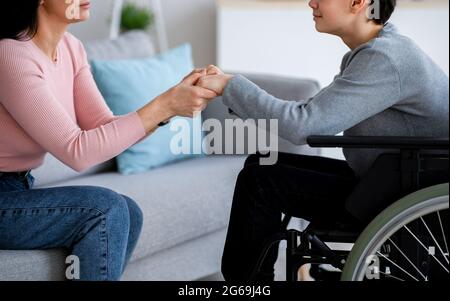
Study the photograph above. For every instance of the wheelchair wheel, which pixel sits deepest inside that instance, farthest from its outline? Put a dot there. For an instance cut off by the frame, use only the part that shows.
(406, 242)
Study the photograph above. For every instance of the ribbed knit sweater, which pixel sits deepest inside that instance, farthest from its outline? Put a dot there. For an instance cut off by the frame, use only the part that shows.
(55, 107)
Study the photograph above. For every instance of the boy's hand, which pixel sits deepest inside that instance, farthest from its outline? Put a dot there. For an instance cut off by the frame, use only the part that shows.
(216, 83)
(213, 70)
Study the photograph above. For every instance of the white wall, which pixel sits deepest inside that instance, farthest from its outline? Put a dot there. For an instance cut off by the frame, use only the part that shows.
(186, 21)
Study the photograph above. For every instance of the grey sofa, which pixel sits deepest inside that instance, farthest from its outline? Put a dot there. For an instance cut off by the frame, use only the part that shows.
(186, 205)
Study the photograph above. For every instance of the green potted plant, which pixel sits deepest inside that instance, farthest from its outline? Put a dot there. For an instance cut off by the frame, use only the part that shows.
(135, 17)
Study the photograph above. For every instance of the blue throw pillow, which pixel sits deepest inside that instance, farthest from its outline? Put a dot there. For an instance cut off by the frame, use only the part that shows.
(128, 85)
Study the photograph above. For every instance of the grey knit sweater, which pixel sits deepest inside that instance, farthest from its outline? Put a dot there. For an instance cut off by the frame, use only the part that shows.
(386, 87)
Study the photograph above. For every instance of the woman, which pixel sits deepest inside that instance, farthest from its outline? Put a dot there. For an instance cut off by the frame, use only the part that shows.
(387, 87)
(50, 103)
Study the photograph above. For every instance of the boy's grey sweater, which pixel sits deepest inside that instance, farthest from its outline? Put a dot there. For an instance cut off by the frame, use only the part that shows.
(386, 87)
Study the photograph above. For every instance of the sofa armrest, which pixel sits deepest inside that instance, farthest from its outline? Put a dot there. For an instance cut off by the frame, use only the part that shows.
(287, 88)
(283, 87)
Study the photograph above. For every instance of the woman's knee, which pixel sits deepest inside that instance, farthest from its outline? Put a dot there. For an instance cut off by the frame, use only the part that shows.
(104, 200)
(135, 212)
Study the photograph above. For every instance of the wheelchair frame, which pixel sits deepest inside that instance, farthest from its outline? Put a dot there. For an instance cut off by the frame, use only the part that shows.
(309, 246)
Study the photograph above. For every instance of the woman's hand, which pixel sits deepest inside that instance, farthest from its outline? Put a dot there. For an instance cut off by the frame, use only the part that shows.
(214, 80)
(186, 100)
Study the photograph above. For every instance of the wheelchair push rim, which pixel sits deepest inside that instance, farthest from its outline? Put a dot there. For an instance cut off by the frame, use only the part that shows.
(365, 254)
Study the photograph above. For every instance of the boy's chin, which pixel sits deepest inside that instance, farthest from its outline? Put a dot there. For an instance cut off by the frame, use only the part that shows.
(319, 29)
(323, 29)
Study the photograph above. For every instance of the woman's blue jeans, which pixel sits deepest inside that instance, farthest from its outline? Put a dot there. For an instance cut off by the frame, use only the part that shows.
(98, 225)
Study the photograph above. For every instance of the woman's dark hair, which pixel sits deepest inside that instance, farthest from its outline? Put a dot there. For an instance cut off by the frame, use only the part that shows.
(387, 7)
(19, 20)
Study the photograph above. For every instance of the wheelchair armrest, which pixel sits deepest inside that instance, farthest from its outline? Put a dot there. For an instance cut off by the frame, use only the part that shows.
(372, 142)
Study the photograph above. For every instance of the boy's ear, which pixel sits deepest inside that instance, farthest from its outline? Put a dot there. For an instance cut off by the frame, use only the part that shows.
(358, 5)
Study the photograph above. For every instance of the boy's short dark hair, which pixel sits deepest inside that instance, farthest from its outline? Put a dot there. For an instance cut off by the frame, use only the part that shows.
(386, 8)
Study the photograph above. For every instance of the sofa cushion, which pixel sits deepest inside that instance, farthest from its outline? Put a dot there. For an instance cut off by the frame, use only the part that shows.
(180, 202)
(32, 265)
(54, 171)
(133, 44)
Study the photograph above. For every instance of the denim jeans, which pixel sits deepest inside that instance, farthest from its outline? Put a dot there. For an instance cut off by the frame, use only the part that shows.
(308, 187)
(98, 225)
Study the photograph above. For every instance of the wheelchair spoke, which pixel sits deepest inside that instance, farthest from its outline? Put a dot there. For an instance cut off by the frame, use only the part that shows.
(443, 233)
(399, 267)
(390, 276)
(410, 232)
(406, 257)
(434, 239)
(401, 242)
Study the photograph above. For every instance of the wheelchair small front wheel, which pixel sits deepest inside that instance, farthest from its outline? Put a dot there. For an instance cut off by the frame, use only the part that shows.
(406, 242)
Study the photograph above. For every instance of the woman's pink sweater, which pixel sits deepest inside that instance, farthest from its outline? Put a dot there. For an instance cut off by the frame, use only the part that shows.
(56, 107)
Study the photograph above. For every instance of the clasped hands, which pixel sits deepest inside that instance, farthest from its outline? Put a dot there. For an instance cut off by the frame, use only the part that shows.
(187, 99)
(196, 90)
(210, 79)
(213, 79)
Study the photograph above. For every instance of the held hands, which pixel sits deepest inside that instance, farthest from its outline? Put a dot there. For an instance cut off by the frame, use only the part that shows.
(186, 99)
(214, 80)
(193, 94)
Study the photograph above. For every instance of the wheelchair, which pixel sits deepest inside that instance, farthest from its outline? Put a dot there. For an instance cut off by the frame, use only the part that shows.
(403, 232)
